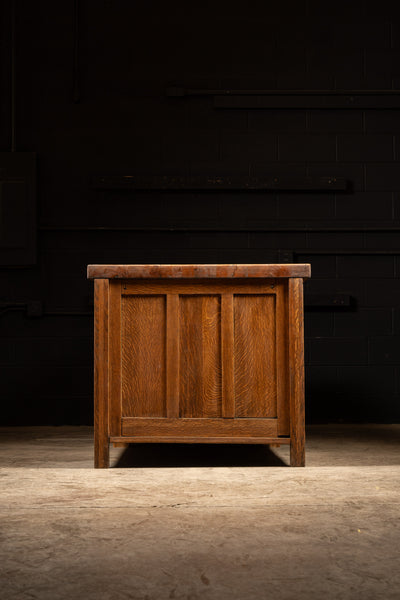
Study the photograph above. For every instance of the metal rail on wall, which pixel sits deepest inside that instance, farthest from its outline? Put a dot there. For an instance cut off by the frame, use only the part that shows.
(306, 99)
(212, 183)
(263, 229)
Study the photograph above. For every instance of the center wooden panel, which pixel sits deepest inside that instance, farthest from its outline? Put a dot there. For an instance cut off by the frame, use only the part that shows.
(143, 370)
(255, 355)
(200, 356)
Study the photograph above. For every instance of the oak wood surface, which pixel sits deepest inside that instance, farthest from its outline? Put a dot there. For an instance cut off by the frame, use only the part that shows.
(282, 357)
(183, 439)
(199, 270)
(173, 375)
(143, 356)
(296, 373)
(200, 427)
(199, 359)
(200, 356)
(227, 347)
(255, 355)
(101, 442)
(197, 286)
(114, 357)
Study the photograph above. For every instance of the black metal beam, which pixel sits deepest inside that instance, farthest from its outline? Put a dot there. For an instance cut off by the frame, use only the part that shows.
(214, 183)
(309, 101)
(306, 99)
(219, 229)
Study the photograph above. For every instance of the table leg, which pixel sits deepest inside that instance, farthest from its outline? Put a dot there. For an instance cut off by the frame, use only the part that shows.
(101, 441)
(296, 373)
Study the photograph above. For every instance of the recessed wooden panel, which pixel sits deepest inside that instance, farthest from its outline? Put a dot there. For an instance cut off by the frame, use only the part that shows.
(255, 355)
(143, 337)
(200, 356)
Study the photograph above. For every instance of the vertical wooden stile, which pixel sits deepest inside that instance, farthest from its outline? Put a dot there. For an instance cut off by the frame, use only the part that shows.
(281, 345)
(172, 358)
(101, 442)
(296, 373)
(115, 358)
(227, 346)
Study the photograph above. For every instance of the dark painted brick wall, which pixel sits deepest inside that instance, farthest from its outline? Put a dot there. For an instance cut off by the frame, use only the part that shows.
(124, 123)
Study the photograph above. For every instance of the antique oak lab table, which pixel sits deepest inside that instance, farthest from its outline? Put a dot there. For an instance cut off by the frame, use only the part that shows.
(199, 354)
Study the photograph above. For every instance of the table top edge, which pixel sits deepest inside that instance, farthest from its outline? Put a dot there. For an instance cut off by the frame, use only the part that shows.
(197, 271)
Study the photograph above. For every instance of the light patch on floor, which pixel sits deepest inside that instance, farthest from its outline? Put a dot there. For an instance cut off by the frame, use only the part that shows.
(200, 522)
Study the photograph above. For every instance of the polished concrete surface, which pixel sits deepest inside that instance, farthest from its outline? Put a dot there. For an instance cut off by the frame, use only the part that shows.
(200, 522)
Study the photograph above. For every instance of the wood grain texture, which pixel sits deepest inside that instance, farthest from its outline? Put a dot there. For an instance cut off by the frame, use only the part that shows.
(199, 360)
(143, 338)
(255, 355)
(200, 356)
(192, 439)
(296, 373)
(114, 357)
(227, 345)
(282, 356)
(101, 443)
(172, 400)
(200, 427)
(198, 286)
(195, 271)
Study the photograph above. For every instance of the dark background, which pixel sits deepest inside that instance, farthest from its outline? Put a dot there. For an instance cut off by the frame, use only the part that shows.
(90, 81)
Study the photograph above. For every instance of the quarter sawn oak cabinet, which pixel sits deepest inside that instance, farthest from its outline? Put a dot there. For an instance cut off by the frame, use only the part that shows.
(199, 354)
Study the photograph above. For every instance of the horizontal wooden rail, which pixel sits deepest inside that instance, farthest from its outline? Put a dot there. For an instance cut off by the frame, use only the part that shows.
(198, 440)
(193, 427)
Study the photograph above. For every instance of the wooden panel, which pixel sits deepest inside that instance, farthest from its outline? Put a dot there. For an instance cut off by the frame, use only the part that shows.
(114, 358)
(200, 356)
(296, 373)
(143, 356)
(194, 271)
(200, 427)
(255, 356)
(101, 447)
(172, 355)
(282, 371)
(228, 392)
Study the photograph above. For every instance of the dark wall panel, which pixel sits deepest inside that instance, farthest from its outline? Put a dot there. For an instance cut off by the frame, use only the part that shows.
(91, 101)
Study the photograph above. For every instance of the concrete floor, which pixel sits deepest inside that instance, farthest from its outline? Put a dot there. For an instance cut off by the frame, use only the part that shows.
(204, 522)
